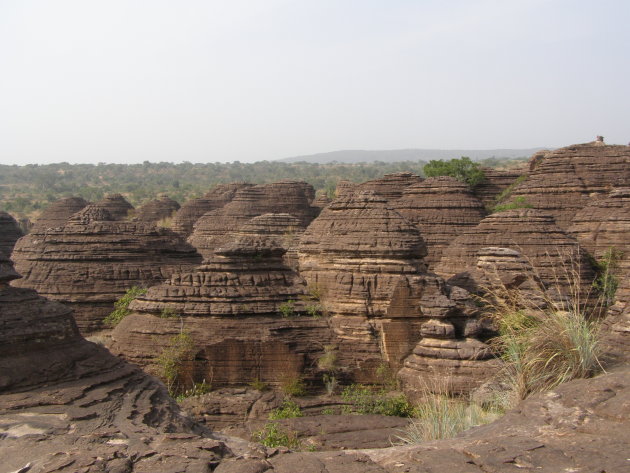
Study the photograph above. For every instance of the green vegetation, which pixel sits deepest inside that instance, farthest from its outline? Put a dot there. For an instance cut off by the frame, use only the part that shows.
(180, 349)
(259, 385)
(607, 279)
(462, 169)
(288, 410)
(314, 310)
(168, 313)
(287, 309)
(507, 192)
(518, 203)
(121, 306)
(271, 435)
(368, 400)
(197, 389)
(293, 386)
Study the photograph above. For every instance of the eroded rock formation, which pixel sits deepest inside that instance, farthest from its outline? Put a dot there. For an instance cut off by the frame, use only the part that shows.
(191, 211)
(496, 181)
(116, 205)
(92, 260)
(214, 229)
(561, 182)
(390, 186)
(442, 208)
(57, 213)
(9, 233)
(155, 210)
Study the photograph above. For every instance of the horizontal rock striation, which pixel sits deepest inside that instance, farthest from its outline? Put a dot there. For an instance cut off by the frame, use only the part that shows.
(57, 213)
(91, 261)
(191, 211)
(214, 229)
(10, 233)
(116, 205)
(155, 210)
(442, 208)
(557, 259)
(390, 186)
(495, 182)
(562, 181)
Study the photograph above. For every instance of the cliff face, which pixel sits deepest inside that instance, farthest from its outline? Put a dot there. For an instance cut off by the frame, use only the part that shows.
(215, 228)
(442, 208)
(92, 260)
(561, 182)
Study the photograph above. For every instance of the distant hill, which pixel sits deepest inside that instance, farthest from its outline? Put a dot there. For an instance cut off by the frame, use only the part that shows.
(395, 155)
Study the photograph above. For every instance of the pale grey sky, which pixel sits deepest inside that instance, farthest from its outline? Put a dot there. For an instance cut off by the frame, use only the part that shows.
(205, 81)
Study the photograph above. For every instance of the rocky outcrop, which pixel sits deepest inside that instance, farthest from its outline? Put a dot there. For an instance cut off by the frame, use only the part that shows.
(116, 205)
(69, 405)
(344, 189)
(57, 213)
(244, 309)
(556, 258)
(191, 211)
(215, 228)
(390, 186)
(495, 182)
(155, 210)
(604, 225)
(92, 260)
(9, 233)
(561, 182)
(442, 208)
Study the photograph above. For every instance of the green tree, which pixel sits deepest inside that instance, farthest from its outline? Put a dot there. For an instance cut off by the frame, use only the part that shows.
(462, 169)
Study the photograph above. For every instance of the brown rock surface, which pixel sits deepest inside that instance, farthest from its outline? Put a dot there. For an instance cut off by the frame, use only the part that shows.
(562, 181)
(156, 210)
(57, 213)
(534, 234)
(390, 186)
(442, 208)
(495, 182)
(191, 211)
(214, 229)
(92, 260)
(116, 205)
(9, 233)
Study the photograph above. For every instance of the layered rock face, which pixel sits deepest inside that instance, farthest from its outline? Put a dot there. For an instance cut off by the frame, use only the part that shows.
(116, 205)
(156, 210)
(556, 258)
(390, 186)
(244, 309)
(191, 211)
(604, 224)
(57, 213)
(69, 405)
(442, 208)
(214, 229)
(561, 182)
(495, 182)
(92, 260)
(9, 233)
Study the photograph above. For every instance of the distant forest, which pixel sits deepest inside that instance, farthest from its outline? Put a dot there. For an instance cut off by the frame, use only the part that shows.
(26, 190)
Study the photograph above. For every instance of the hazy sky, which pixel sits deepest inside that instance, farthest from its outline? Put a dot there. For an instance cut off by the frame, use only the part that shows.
(205, 81)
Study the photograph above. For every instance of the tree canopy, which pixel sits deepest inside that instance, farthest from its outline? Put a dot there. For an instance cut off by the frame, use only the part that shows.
(462, 169)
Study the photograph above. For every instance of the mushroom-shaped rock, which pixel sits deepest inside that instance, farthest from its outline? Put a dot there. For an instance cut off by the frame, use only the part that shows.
(562, 181)
(245, 310)
(116, 205)
(442, 208)
(58, 212)
(556, 258)
(191, 211)
(9, 233)
(214, 229)
(155, 210)
(92, 260)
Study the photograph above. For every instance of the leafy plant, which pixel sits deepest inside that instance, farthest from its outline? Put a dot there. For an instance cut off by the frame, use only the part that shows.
(271, 435)
(197, 389)
(607, 280)
(314, 310)
(259, 385)
(462, 169)
(328, 360)
(365, 400)
(287, 309)
(121, 306)
(179, 349)
(288, 410)
(507, 192)
(519, 202)
(330, 382)
(293, 386)
(168, 313)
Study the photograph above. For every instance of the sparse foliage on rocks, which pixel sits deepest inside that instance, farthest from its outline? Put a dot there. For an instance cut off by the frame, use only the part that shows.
(462, 169)
(121, 306)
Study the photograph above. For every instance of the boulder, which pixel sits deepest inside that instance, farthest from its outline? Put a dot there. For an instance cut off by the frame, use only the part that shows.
(92, 260)
(442, 208)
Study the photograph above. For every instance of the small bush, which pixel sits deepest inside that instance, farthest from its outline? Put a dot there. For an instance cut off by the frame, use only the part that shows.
(293, 386)
(287, 309)
(271, 435)
(365, 400)
(518, 203)
(121, 306)
(330, 383)
(314, 310)
(462, 169)
(179, 349)
(197, 389)
(168, 313)
(259, 385)
(507, 192)
(288, 410)
(327, 412)
(607, 280)
(328, 360)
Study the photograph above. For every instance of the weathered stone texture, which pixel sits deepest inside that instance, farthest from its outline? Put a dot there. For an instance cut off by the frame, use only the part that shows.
(561, 182)
(214, 229)
(496, 181)
(155, 210)
(57, 213)
(92, 260)
(116, 205)
(442, 208)
(9, 233)
(390, 186)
